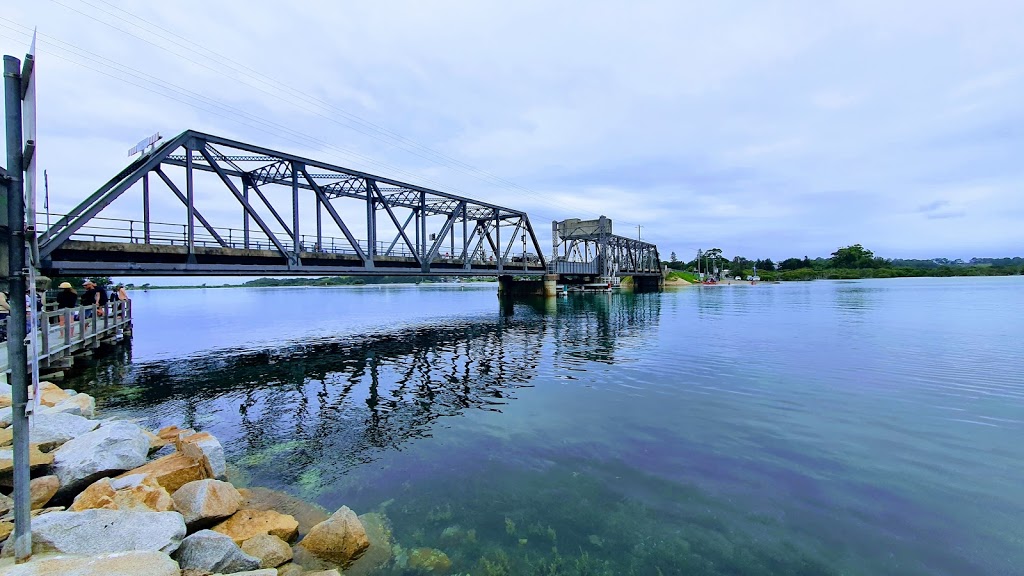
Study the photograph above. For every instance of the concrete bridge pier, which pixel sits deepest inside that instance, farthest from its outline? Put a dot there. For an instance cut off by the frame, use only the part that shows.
(509, 286)
(648, 283)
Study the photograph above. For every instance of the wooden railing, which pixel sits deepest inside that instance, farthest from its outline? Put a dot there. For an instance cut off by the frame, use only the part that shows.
(63, 332)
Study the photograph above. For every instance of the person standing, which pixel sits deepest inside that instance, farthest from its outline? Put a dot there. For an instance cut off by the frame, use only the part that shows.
(91, 297)
(67, 299)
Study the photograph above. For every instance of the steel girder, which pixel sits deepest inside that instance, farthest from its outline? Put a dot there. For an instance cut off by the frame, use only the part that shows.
(247, 172)
(595, 251)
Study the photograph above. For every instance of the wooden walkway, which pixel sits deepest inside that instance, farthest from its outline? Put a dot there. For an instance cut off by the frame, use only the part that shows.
(73, 332)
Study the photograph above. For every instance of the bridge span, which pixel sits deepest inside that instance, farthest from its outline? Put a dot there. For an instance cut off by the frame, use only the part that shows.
(248, 210)
(231, 208)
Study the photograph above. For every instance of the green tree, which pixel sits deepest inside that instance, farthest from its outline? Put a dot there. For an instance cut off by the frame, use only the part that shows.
(672, 257)
(792, 264)
(855, 256)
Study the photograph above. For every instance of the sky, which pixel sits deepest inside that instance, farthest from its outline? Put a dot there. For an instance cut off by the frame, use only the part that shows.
(766, 129)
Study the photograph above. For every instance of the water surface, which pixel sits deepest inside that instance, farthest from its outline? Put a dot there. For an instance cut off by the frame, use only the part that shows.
(867, 427)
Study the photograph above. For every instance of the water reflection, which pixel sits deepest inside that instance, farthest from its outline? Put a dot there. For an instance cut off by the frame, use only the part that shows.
(304, 413)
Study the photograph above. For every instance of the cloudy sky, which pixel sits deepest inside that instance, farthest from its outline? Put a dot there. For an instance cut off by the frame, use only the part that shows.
(769, 129)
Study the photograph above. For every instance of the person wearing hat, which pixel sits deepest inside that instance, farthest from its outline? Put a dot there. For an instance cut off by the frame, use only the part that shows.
(66, 298)
(91, 297)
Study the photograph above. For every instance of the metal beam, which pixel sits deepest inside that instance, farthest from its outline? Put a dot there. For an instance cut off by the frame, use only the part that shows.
(244, 202)
(170, 184)
(337, 220)
(373, 190)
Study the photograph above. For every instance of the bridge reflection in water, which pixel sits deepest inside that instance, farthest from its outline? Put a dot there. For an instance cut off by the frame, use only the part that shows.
(326, 406)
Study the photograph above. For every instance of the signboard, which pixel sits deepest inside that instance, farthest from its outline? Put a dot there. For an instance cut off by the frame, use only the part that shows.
(576, 228)
(145, 143)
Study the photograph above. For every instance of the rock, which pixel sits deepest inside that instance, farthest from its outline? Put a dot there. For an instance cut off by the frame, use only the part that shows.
(378, 555)
(50, 394)
(6, 416)
(245, 524)
(41, 489)
(305, 513)
(429, 560)
(271, 550)
(103, 531)
(133, 492)
(51, 429)
(291, 569)
(173, 471)
(6, 504)
(108, 449)
(340, 539)
(210, 448)
(133, 563)
(155, 442)
(79, 405)
(209, 550)
(9, 517)
(260, 572)
(6, 436)
(204, 502)
(331, 572)
(5, 400)
(172, 433)
(5, 530)
(36, 458)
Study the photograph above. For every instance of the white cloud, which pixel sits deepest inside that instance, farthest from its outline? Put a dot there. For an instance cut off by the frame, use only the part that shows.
(768, 129)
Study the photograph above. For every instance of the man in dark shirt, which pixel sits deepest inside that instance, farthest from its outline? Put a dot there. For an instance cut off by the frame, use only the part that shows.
(67, 298)
(90, 297)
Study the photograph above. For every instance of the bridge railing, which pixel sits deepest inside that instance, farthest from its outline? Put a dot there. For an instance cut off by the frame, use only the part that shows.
(67, 330)
(122, 230)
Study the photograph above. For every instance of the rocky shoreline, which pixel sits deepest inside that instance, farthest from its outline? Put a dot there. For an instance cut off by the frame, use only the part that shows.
(114, 499)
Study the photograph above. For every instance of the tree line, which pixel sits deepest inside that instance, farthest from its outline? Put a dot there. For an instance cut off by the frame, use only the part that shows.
(848, 262)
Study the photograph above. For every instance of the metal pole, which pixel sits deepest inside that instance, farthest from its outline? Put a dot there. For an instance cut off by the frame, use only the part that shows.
(245, 213)
(190, 230)
(295, 211)
(16, 325)
(145, 207)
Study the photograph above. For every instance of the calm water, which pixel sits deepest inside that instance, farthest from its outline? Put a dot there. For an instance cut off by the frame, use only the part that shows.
(869, 427)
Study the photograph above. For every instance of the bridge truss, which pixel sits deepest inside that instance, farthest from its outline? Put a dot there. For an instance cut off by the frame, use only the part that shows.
(587, 248)
(231, 208)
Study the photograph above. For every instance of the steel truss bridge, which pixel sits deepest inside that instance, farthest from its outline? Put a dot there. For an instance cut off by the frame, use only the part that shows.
(285, 215)
(587, 248)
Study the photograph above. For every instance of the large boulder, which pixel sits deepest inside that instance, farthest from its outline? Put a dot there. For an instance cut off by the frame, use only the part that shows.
(133, 563)
(51, 429)
(41, 489)
(305, 513)
(291, 569)
(107, 450)
(203, 502)
(102, 531)
(50, 394)
(245, 524)
(36, 460)
(210, 447)
(79, 405)
(339, 539)
(6, 504)
(174, 470)
(134, 492)
(213, 552)
(260, 572)
(271, 550)
(6, 416)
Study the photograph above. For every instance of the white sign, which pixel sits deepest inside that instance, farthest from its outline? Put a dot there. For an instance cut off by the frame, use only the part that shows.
(145, 143)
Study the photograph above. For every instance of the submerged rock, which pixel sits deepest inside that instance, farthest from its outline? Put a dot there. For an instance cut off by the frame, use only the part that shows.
(245, 524)
(339, 539)
(107, 450)
(379, 554)
(203, 502)
(291, 569)
(133, 563)
(271, 550)
(213, 552)
(429, 560)
(103, 531)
